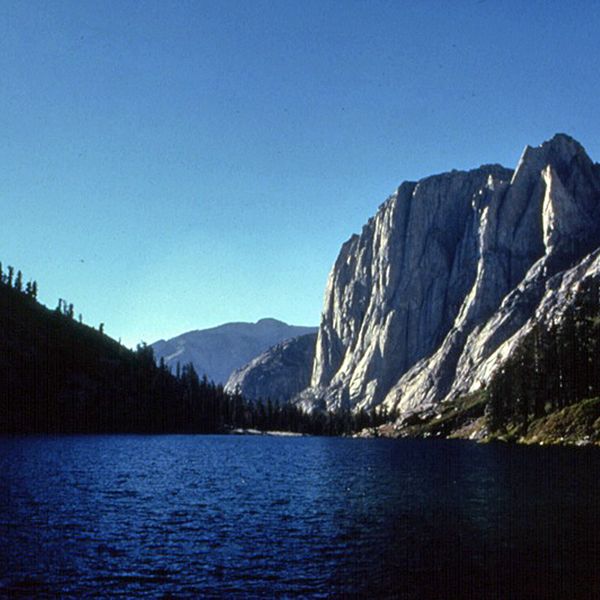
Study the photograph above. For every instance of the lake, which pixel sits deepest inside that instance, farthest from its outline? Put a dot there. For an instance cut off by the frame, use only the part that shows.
(253, 516)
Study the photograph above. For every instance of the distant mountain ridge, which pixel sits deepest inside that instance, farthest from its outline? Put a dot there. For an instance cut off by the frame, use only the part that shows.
(218, 351)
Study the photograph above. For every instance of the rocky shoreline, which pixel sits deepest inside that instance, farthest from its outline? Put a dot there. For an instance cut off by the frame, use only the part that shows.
(575, 425)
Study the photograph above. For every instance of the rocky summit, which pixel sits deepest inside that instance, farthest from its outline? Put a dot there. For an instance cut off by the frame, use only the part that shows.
(426, 303)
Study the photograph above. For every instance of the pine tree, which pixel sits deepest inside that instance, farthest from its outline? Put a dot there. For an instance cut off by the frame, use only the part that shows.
(496, 414)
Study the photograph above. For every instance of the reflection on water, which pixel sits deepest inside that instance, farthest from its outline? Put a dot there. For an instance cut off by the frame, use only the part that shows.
(229, 516)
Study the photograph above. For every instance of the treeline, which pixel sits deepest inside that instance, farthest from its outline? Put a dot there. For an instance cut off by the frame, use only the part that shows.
(15, 281)
(552, 368)
(206, 408)
(273, 416)
(59, 375)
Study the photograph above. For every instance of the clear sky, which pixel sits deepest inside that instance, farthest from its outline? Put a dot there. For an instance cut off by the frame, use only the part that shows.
(169, 166)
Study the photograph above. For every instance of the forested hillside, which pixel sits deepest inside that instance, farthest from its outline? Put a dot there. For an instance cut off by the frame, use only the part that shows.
(552, 368)
(59, 375)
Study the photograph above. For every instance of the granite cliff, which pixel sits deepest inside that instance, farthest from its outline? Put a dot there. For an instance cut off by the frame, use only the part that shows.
(424, 305)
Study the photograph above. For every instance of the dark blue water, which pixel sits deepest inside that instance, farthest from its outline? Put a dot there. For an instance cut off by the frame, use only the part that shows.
(218, 516)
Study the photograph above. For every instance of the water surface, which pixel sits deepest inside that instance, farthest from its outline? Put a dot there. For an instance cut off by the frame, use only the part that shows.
(228, 516)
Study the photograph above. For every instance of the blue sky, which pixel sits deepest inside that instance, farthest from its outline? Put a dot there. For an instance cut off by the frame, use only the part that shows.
(168, 166)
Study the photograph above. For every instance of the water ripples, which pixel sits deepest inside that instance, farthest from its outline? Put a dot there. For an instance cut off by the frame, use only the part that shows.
(217, 516)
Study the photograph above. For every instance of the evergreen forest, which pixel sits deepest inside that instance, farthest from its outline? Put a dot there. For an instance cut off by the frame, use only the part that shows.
(59, 375)
(553, 367)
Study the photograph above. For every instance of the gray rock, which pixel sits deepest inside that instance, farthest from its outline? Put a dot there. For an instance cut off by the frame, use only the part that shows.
(418, 307)
(279, 373)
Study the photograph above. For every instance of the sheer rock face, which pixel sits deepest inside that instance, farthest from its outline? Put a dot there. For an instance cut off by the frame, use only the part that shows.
(447, 271)
(279, 373)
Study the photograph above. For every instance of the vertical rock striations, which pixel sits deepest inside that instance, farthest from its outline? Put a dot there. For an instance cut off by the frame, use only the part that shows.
(448, 270)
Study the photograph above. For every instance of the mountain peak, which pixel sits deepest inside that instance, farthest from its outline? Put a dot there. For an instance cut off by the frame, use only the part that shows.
(558, 152)
(270, 321)
(563, 146)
